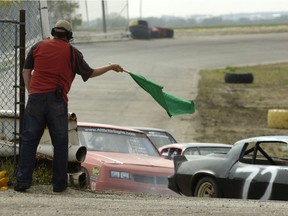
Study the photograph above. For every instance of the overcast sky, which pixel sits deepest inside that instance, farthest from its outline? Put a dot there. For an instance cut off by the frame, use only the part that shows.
(158, 8)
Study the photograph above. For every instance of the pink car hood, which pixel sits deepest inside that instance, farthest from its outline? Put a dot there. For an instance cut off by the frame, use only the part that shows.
(128, 159)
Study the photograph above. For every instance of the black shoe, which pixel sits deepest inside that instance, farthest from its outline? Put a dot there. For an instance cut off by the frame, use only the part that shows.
(21, 187)
(58, 190)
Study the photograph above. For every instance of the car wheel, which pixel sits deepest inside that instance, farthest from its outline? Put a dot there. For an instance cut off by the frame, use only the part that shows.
(207, 187)
(86, 182)
(239, 78)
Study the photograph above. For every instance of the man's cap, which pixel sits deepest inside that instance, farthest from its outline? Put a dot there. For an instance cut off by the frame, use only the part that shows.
(62, 24)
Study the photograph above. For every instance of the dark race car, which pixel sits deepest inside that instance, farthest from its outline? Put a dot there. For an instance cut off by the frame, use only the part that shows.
(254, 168)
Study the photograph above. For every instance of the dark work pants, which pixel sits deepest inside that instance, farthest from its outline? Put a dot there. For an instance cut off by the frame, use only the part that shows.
(44, 110)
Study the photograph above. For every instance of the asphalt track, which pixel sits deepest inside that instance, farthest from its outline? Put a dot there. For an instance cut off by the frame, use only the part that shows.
(173, 63)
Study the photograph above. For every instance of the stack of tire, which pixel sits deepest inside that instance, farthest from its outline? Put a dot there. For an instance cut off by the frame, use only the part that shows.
(159, 32)
(140, 30)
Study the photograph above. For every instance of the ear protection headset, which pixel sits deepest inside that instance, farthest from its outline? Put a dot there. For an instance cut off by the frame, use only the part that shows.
(66, 33)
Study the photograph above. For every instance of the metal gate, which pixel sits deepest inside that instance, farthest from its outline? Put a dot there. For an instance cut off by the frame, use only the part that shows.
(9, 87)
(20, 28)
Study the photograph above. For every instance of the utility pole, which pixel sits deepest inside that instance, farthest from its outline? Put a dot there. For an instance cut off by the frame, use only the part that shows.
(104, 16)
(140, 8)
(46, 33)
(127, 5)
(87, 15)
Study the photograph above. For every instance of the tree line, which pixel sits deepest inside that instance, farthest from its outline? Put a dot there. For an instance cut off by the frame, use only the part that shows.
(67, 10)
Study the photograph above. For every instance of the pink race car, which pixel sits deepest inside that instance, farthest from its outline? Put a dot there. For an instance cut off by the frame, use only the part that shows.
(123, 159)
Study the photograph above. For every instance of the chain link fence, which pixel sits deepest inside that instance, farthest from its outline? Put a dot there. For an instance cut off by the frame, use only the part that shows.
(114, 14)
(8, 81)
(12, 101)
(10, 63)
(107, 19)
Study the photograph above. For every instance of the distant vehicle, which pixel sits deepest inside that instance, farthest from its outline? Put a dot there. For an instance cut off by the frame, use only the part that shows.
(140, 30)
(123, 159)
(254, 168)
(188, 149)
(159, 137)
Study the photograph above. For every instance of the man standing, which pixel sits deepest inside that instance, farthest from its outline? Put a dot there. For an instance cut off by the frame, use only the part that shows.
(48, 73)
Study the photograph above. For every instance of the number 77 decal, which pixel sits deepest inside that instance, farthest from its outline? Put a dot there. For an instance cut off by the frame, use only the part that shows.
(253, 172)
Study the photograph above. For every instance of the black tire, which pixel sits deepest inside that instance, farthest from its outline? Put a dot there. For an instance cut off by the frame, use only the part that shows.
(239, 78)
(155, 34)
(86, 182)
(207, 187)
(143, 23)
(140, 32)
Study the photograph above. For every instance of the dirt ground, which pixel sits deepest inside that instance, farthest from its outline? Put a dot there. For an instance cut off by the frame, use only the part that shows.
(230, 112)
(39, 200)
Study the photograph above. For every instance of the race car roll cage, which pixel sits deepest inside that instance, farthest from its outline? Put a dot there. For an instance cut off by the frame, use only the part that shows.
(255, 159)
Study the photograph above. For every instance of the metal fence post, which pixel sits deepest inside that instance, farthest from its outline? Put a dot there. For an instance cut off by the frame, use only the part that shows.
(21, 62)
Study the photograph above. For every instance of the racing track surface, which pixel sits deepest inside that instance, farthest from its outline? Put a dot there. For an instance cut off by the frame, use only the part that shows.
(174, 63)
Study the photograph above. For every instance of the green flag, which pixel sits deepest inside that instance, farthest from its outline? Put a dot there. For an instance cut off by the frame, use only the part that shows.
(172, 104)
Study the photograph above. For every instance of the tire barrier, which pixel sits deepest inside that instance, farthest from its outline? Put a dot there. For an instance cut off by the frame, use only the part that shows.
(278, 118)
(158, 32)
(239, 78)
(140, 30)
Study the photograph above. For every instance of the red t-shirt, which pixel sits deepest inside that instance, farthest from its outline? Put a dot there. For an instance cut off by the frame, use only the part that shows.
(54, 63)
